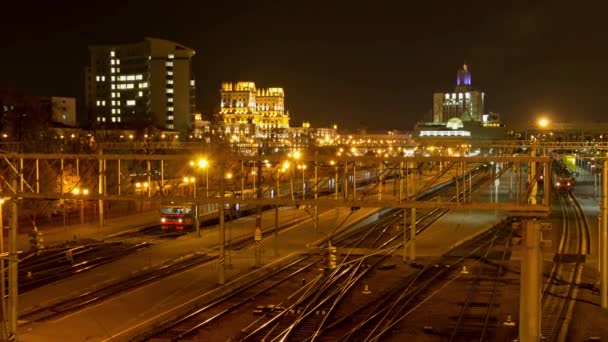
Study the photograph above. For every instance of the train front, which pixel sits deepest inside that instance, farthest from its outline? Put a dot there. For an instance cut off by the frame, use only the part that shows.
(175, 216)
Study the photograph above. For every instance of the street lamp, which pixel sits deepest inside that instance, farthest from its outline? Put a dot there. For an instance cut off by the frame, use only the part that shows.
(191, 180)
(204, 164)
(303, 168)
(84, 192)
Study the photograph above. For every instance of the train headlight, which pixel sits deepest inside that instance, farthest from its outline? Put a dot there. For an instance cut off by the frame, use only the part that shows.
(163, 220)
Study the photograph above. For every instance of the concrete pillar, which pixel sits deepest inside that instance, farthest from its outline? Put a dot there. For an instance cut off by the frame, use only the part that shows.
(413, 234)
(604, 239)
(531, 174)
(13, 278)
(530, 284)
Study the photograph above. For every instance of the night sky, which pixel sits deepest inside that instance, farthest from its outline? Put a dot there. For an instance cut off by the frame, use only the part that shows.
(361, 64)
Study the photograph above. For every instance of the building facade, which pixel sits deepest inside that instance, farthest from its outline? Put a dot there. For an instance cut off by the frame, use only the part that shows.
(149, 83)
(464, 102)
(252, 112)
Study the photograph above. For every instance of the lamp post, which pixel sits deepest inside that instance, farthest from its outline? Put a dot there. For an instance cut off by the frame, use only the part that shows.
(303, 168)
(77, 192)
(204, 164)
(191, 180)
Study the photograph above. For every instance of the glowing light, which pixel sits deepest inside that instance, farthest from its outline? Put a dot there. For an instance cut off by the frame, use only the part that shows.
(543, 122)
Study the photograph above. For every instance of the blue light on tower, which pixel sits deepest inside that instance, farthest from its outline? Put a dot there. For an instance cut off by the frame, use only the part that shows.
(463, 77)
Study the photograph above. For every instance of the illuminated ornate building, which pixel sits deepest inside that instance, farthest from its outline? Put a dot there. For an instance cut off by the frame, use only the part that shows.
(252, 112)
(141, 84)
(464, 102)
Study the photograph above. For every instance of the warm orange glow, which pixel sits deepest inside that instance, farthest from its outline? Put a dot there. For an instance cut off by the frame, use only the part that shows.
(543, 122)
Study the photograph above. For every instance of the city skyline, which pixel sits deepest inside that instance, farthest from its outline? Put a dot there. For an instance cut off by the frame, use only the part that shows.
(361, 66)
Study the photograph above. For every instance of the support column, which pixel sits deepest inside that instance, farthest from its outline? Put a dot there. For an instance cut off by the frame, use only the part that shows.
(316, 209)
(276, 231)
(38, 175)
(13, 295)
(221, 261)
(413, 234)
(530, 284)
(401, 182)
(404, 234)
(604, 239)
(118, 174)
(197, 224)
(531, 174)
(3, 323)
(100, 191)
(380, 180)
(149, 178)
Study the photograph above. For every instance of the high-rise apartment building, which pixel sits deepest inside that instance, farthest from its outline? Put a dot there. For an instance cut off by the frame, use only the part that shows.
(464, 102)
(252, 112)
(141, 84)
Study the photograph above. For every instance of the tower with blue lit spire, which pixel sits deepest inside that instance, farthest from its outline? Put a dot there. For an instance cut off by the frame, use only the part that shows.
(463, 78)
(464, 102)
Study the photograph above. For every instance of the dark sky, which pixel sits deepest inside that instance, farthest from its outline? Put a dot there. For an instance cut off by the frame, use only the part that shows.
(371, 64)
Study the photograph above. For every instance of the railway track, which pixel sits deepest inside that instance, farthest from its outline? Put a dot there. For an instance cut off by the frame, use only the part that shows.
(476, 320)
(561, 289)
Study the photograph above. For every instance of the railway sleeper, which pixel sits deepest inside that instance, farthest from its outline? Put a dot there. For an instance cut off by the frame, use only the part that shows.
(569, 258)
(477, 304)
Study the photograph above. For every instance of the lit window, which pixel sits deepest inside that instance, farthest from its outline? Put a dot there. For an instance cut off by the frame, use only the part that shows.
(117, 94)
(130, 85)
(169, 91)
(118, 103)
(171, 56)
(139, 77)
(117, 69)
(192, 83)
(113, 94)
(170, 126)
(113, 103)
(131, 78)
(170, 99)
(112, 70)
(112, 62)
(169, 63)
(103, 119)
(113, 78)
(113, 119)
(113, 110)
(170, 73)
(118, 119)
(170, 117)
(169, 81)
(103, 102)
(117, 61)
(170, 109)
(140, 94)
(118, 111)
(130, 102)
(98, 102)
(98, 118)
(112, 54)
(143, 85)
(113, 86)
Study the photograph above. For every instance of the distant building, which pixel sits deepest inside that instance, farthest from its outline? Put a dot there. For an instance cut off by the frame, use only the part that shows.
(458, 116)
(149, 83)
(252, 112)
(63, 110)
(464, 102)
